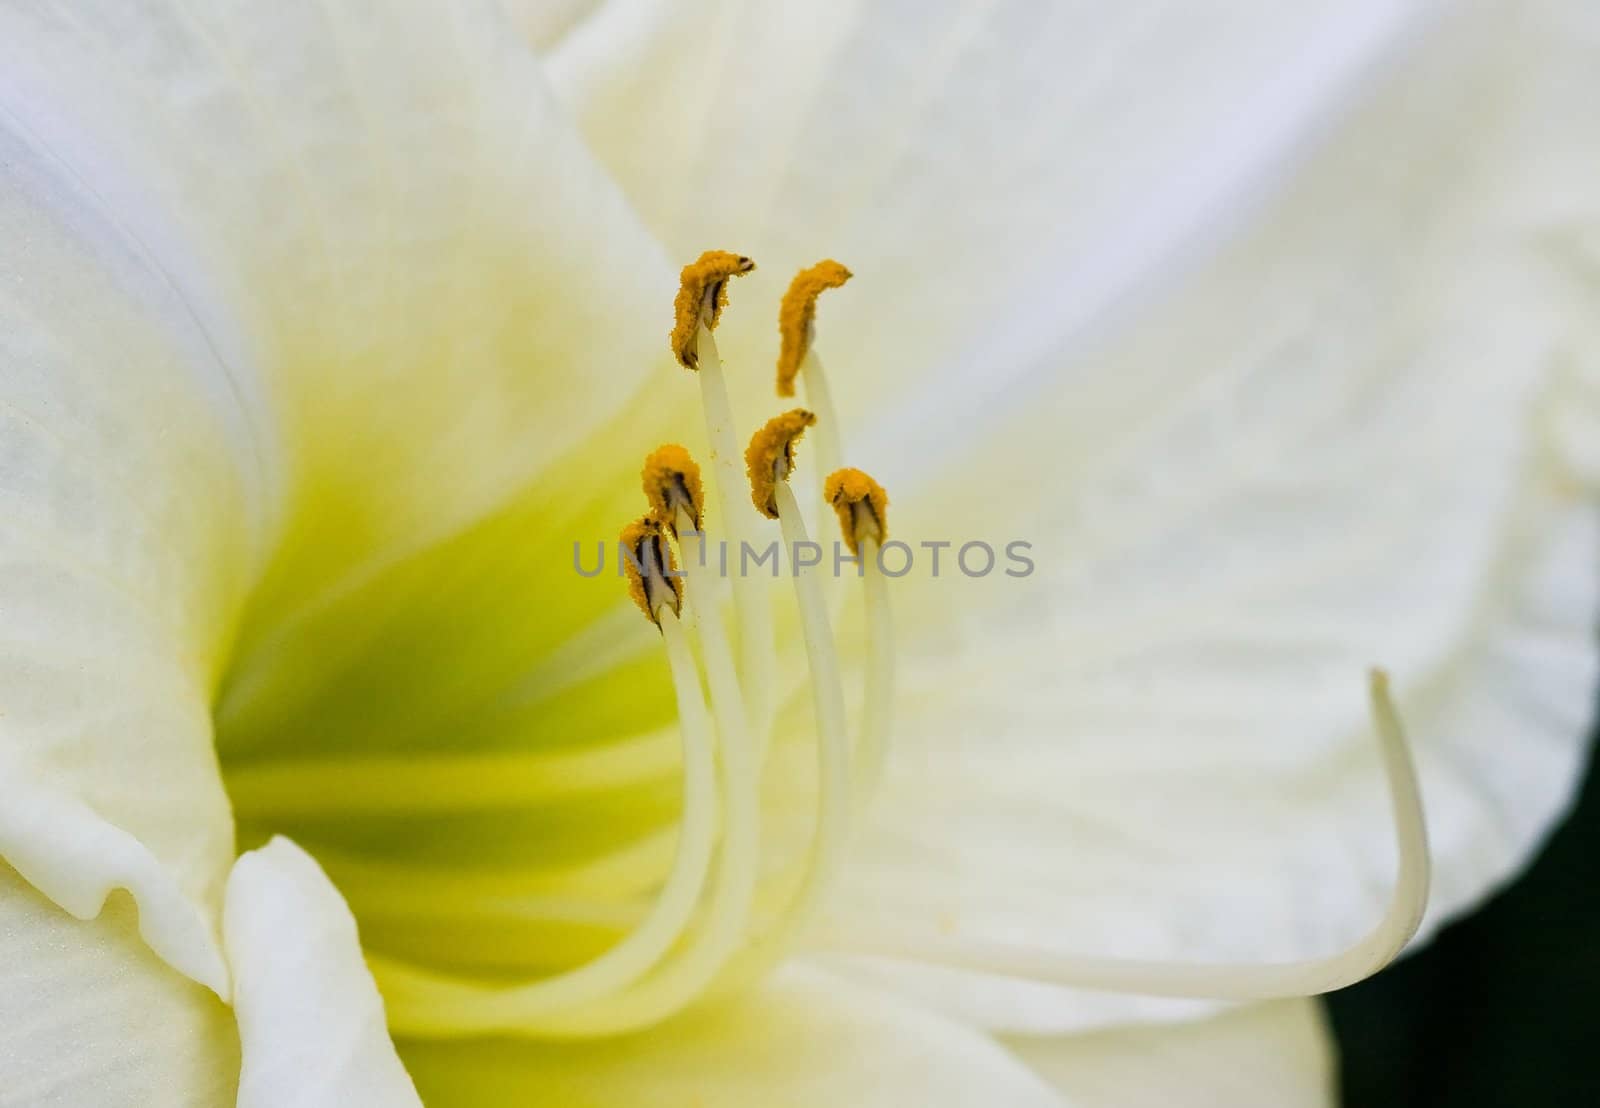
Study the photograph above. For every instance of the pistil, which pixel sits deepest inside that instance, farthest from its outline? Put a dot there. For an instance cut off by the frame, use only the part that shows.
(1239, 982)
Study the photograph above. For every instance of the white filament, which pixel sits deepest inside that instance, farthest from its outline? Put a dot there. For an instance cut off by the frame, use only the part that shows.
(819, 398)
(749, 599)
(834, 798)
(877, 713)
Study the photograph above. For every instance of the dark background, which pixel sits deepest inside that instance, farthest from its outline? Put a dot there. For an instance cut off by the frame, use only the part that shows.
(1503, 1007)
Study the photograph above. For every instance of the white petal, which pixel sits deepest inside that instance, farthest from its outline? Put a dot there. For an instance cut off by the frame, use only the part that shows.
(77, 858)
(1330, 445)
(131, 488)
(545, 22)
(803, 1040)
(311, 1024)
(417, 249)
(1263, 1056)
(991, 173)
(90, 1018)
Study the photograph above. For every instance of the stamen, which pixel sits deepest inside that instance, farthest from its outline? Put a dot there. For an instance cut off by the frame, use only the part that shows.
(702, 294)
(679, 981)
(769, 459)
(797, 355)
(653, 580)
(772, 448)
(862, 505)
(797, 317)
(672, 483)
(421, 1001)
(1248, 981)
(667, 983)
(741, 788)
(863, 508)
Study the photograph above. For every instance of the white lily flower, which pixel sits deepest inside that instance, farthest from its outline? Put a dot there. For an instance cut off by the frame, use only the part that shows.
(326, 330)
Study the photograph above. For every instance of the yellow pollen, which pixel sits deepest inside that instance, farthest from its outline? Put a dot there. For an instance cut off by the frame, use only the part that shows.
(702, 294)
(798, 312)
(769, 448)
(672, 480)
(862, 505)
(648, 567)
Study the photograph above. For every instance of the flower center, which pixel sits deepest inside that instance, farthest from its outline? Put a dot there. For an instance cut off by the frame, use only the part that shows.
(588, 847)
(591, 854)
